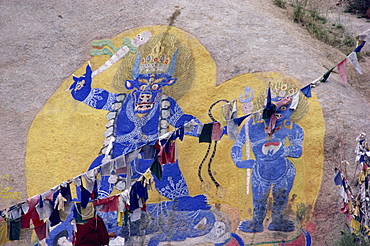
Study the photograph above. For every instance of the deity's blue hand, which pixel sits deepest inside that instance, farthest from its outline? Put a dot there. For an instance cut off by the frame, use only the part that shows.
(294, 151)
(81, 87)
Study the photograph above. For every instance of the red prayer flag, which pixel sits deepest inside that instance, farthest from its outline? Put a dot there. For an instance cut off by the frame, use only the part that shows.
(216, 131)
(342, 70)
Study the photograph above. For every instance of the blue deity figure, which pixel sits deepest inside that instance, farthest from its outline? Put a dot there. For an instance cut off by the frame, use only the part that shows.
(136, 120)
(271, 169)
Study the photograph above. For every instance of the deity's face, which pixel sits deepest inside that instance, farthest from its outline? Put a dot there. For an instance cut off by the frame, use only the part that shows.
(141, 38)
(283, 112)
(146, 89)
(247, 108)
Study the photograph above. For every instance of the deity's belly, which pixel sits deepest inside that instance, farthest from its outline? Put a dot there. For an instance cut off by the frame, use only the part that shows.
(272, 170)
(271, 164)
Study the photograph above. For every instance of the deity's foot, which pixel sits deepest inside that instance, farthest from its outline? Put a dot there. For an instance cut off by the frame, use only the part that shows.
(281, 225)
(251, 226)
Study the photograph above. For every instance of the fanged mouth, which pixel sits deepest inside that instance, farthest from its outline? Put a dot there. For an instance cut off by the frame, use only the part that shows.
(143, 106)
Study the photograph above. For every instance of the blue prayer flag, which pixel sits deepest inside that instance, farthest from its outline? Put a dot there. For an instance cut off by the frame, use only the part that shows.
(358, 48)
(307, 90)
(268, 103)
(269, 107)
(338, 179)
(239, 120)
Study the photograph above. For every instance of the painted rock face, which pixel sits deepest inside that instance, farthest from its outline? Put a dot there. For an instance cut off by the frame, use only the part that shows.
(67, 135)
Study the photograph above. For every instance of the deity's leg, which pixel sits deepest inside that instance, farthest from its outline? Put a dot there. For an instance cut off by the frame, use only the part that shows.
(172, 183)
(261, 190)
(280, 193)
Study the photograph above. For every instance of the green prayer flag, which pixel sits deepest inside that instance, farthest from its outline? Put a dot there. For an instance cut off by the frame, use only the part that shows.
(156, 168)
(326, 75)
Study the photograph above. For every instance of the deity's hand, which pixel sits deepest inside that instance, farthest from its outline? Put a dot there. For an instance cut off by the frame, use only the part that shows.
(246, 163)
(81, 87)
(294, 151)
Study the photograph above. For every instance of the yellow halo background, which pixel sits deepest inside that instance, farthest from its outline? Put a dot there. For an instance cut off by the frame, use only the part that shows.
(66, 135)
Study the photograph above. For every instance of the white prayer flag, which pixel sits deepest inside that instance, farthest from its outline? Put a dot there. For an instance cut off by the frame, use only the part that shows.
(295, 101)
(364, 36)
(352, 58)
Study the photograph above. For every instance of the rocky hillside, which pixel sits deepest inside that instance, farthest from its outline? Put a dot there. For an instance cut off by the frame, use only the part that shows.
(43, 42)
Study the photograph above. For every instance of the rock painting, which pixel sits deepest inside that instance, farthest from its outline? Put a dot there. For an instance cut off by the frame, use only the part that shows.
(160, 81)
(271, 145)
(139, 119)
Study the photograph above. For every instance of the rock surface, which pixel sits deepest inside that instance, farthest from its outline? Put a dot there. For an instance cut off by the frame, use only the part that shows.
(43, 42)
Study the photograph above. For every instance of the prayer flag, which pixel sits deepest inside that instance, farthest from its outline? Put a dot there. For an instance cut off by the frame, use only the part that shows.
(272, 124)
(338, 179)
(206, 134)
(364, 36)
(270, 107)
(355, 225)
(239, 120)
(342, 70)
(156, 168)
(295, 101)
(121, 161)
(307, 90)
(352, 58)
(232, 130)
(359, 47)
(216, 131)
(342, 192)
(129, 174)
(326, 75)
(227, 110)
(234, 113)
(316, 81)
(268, 103)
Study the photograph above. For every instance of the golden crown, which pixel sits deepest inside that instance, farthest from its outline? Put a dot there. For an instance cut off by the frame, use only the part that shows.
(155, 62)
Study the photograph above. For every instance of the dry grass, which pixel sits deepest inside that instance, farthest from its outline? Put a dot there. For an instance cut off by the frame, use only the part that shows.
(312, 16)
